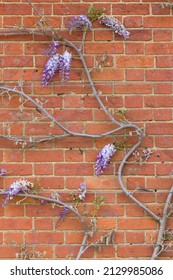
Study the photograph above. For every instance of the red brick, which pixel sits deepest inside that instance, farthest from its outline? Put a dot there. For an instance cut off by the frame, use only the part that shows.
(73, 101)
(135, 62)
(45, 251)
(159, 48)
(73, 169)
(164, 142)
(74, 237)
(12, 74)
(134, 211)
(73, 182)
(135, 251)
(11, 21)
(22, 169)
(102, 182)
(47, 8)
(134, 181)
(70, 223)
(13, 156)
(159, 183)
(136, 223)
(69, 9)
(134, 75)
(13, 237)
(99, 128)
(108, 75)
(140, 35)
(162, 35)
(110, 211)
(14, 210)
(139, 115)
(158, 22)
(158, 101)
(130, 9)
(16, 224)
(43, 156)
(44, 237)
(73, 156)
(51, 182)
(135, 237)
(110, 101)
(72, 251)
(16, 61)
(160, 128)
(134, 101)
(163, 115)
(143, 197)
(134, 48)
(32, 75)
(133, 21)
(77, 142)
(99, 48)
(13, 9)
(164, 169)
(158, 9)
(162, 196)
(42, 129)
(133, 88)
(13, 48)
(107, 224)
(43, 169)
(159, 75)
(103, 35)
(41, 211)
(9, 252)
(165, 62)
(106, 252)
(73, 115)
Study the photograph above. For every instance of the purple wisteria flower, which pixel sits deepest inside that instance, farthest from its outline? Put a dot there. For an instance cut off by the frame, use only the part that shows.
(65, 65)
(147, 153)
(3, 172)
(56, 63)
(15, 188)
(103, 158)
(52, 48)
(114, 24)
(63, 213)
(83, 190)
(50, 69)
(81, 22)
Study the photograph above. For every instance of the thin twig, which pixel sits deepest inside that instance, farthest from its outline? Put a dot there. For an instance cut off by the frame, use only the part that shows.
(53, 200)
(158, 248)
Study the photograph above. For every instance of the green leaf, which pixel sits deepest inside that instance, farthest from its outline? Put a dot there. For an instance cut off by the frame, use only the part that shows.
(93, 14)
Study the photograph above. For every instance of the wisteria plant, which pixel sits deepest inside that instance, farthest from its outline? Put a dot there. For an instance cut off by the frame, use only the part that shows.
(58, 66)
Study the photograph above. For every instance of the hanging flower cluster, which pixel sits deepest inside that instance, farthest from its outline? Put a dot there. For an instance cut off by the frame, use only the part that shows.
(21, 186)
(81, 22)
(58, 62)
(103, 158)
(114, 24)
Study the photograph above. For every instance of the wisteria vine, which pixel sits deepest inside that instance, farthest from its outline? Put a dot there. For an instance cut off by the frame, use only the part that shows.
(61, 62)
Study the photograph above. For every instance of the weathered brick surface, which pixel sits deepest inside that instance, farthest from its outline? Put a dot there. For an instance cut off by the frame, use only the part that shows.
(137, 76)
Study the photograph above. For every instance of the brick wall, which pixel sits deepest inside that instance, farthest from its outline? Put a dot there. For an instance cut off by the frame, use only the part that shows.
(136, 76)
